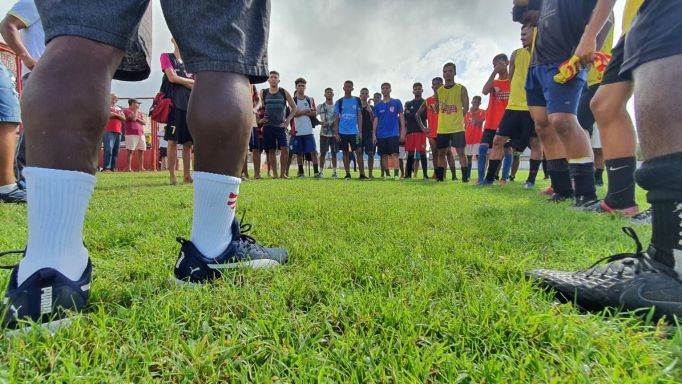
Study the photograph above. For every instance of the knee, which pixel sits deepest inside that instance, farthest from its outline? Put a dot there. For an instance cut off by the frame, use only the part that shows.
(564, 123)
(602, 107)
(499, 141)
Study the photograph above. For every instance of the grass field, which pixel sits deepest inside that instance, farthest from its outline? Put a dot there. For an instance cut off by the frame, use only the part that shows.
(388, 281)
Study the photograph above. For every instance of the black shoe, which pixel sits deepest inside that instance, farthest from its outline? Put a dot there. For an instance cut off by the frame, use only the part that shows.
(583, 203)
(243, 251)
(628, 281)
(363, 177)
(45, 297)
(512, 178)
(347, 177)
(557, 198)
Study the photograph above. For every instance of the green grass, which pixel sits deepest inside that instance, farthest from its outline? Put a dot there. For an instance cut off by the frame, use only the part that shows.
(388, 281)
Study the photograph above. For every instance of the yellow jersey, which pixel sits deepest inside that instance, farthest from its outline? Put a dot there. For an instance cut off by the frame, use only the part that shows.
(450, 115)
(517, 97)
(629, 13)
(593, 76)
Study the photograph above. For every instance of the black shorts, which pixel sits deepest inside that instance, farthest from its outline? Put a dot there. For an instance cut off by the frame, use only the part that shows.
(656, 33)
(612, 73)
(368, 146)
(349, 143)
(163, 152)
(328, 144)
(585, 116)
(256, 141)
(389, 146)
(519, 127)
(176, 129)
(456, 139)
(488, 137)
(274, 137)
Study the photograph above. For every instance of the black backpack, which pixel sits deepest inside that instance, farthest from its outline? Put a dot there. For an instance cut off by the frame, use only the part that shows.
(339, 102)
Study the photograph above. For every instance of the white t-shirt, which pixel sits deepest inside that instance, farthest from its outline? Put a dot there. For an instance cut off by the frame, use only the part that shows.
(303, 124)
(33, 36)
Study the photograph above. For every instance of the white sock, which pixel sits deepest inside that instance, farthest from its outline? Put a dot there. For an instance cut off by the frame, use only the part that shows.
(8, 188)
(215, 201)
(58, 200)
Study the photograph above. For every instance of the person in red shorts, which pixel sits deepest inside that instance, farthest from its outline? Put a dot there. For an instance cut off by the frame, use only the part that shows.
(415, 140)
(473, 126)
(498, 86)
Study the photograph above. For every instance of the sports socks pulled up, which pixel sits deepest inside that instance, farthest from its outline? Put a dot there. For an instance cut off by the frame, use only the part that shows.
(621, 187)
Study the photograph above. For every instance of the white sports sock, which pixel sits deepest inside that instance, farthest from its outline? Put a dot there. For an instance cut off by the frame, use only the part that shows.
(215, 201)
(58, 200)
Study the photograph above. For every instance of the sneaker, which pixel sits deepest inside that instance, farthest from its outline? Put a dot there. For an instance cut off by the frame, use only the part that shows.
(301, 175)
(347, 177)
(396, 177)
(512, 178)
(243, 252)
(454, 177)
(318, 175)
(15, 196)
(427, 178)
(363, 177)
(484, 182)
(529, 185)
(557, 198)
(45, 297)
(581, 202)
(334, 175)
(642, 218)
(503, 182)
(549, 191)
(600, 206)
(628, 281)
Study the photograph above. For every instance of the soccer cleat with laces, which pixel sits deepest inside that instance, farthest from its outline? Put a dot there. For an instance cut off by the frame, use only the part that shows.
(44, 297)
(600, 206)
(243, 252)
(642, 218)
(627, 281)
(15, 196)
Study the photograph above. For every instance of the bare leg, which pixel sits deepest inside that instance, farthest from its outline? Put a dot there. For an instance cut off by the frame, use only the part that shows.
(272, 162)
(172, 159)
(361, 161)
(284, 162)
(616, 130)
(8, 143)
(255, 157)
(140, 160)
(130, 160)
(187, 162)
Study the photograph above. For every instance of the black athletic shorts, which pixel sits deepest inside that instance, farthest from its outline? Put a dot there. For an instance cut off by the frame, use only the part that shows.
(488, 137)
(656, 33)
(585, 116)
(445, 140)
(163, 151)
(176, 129)
(256, 141)
(347, 142)
(519, 127)
(367, 145)
(389, 146)
(612, 73)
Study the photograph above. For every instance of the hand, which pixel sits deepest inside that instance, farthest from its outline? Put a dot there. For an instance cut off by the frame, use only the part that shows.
(263, 121)
(402, 138)
(285, 124)
(338, 137)
(28, 61)
(374, 139)
(586, 49)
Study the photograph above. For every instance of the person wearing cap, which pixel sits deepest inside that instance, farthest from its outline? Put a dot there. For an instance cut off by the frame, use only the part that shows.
(135, 134)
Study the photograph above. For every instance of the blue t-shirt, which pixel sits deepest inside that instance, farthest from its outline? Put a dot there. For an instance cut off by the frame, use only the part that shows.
(348, 120)
(387, 113)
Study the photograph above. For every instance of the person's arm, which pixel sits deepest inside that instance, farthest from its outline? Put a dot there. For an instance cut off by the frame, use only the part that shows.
(512, 67)
(9, 28)
(292, 106)
(130, 116)
(140, 118)
(179, 80)
(360, 121)
(403, 131)
(374, 130)
(465, 100)
(588, 42)
(313, 108)
(335, 126)
(418, 117)
(488, 87)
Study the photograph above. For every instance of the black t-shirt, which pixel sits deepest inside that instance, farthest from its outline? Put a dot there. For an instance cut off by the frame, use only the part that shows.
(275, 106)
(560, 26)
(367, 121)
(411, 108)
(179, 94)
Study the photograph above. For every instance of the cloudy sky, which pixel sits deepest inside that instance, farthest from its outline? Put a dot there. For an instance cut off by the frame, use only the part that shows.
(370, 42)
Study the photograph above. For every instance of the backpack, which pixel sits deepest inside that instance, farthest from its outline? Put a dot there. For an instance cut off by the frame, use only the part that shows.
(339, 102)
(313, 120)
(280, 91)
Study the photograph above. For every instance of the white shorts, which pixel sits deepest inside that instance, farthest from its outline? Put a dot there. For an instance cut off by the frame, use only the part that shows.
(596, 139)
(402, 153)
(135, 142)
(471, 149)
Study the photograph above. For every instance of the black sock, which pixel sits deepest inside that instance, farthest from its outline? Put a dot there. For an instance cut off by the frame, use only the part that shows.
(425, 164)
(300, 169)
(453, 170)
(465, 174)
(621, 187)
(493, 167)
(409, 166)
(662, 179)
(598, 175)
(561, 180)
(395, 172)
(533, 172)
(440, 173)
(469, 158)
(316, 168)
(583, 175)
(544, 168)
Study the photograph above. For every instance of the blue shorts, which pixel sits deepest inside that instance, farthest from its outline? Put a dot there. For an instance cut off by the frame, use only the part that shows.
(303, 144)
(218, 35)
(9, 98)
(274, 137)
(542, 91)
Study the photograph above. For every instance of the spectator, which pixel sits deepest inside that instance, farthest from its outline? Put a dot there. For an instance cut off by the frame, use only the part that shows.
(135, 140)
(112, 135)
(9, 120)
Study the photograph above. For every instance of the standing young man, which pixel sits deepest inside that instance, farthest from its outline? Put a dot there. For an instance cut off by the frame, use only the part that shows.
(70, 88)
(348, 110)
(9, 121)
(305, 141)
(517, 128)
(327, 134)
(415, 139)
(135, 140)
(368, 145)
(498, 87)
(473, 125)
(389, 128)
(376, 100)
(275, 123)
(452, 100)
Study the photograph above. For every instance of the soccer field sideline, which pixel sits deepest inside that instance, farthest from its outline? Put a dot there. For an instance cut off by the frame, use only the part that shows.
(400, 281)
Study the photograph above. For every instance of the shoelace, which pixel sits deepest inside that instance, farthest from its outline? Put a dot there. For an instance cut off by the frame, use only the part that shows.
(7, 253)
(643, 261)
(243, 229)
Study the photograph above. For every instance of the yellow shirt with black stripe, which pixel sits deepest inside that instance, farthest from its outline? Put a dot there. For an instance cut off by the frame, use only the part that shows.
(517, 97)
(450, 116)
